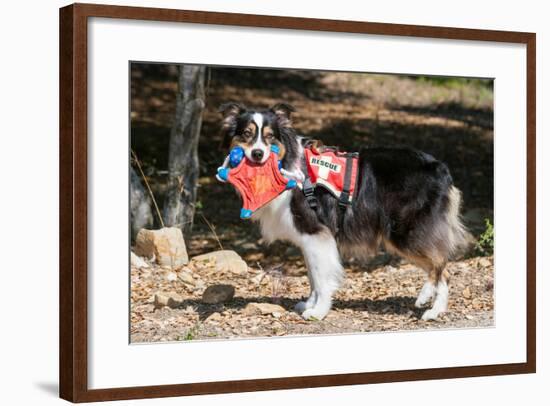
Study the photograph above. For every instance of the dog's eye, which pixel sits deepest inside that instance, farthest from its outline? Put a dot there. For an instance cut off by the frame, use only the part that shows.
(247, 133)
(269, 136)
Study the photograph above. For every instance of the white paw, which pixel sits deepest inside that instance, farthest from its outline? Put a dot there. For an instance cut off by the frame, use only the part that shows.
(314, 313)
(431, 314)
(426, 294)
(421, 302)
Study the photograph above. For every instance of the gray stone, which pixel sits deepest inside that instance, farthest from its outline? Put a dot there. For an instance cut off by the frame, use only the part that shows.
(215, 294)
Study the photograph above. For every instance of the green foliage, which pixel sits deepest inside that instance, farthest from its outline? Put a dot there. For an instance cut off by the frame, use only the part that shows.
(485, 244)
(191, 333)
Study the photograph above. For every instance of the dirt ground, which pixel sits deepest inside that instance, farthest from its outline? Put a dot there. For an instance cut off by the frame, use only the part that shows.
(451, 119)
(381, 299)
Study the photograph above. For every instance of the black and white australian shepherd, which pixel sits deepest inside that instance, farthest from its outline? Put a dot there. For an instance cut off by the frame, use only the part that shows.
(404, 201)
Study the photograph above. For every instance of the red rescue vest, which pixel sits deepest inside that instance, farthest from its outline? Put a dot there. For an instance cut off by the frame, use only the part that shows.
(335, 171)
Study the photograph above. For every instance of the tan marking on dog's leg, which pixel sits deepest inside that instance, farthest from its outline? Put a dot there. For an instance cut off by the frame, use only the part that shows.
(436, 285)
(441, 276)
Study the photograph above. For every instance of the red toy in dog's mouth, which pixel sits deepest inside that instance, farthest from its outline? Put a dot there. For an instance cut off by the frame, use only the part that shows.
(258, 184)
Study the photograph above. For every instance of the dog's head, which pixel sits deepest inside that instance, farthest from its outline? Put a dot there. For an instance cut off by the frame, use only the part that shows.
(256, 130)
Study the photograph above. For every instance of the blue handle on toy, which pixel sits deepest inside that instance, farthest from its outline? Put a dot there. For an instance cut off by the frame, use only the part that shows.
(245, 213)
(223, 174)
(291, 184)
(236, 155)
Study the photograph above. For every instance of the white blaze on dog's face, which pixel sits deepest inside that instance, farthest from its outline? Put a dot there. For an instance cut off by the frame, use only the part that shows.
(259, 150)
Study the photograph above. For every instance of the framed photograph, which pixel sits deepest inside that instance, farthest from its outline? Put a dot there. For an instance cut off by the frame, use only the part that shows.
(254, 202)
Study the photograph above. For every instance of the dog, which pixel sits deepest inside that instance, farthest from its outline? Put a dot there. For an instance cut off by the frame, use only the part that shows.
(405, 202)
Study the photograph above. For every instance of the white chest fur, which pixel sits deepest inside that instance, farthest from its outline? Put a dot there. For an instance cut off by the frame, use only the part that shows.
(276, 222)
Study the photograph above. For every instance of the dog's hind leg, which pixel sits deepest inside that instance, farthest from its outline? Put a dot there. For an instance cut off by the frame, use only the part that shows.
(436, 286)
(325, 272)
(441, 289)
(426, 294)
(428, 290)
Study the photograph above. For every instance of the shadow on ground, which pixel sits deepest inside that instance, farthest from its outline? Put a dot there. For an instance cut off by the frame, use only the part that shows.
(394, 305)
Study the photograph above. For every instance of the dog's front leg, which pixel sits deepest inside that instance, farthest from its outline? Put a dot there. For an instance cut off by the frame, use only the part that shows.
(311, 300)
(325, 274)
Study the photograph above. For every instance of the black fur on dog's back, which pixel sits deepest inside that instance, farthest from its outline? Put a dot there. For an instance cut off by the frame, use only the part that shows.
(403, 201)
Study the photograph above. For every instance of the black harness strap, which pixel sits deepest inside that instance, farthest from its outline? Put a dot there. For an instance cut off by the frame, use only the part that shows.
(344, 200)
(309, 192)
(308, 188)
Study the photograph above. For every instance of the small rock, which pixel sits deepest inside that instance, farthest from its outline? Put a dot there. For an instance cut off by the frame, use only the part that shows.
(171, 276)
(165, 245)
(170, 299)
(137, 262)
(277, 315)
(467, 293)
(224, 260)
(469, 317)
(262, 308)
(218, 294)
(216, 316)
(484, 262)
(200, 285)
(186, 278)
(215, 256)
(249, 246)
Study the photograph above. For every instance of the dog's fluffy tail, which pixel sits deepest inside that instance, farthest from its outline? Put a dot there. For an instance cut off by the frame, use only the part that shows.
(459, 239)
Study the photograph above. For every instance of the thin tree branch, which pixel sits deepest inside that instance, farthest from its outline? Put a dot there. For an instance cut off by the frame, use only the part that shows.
(136, 160)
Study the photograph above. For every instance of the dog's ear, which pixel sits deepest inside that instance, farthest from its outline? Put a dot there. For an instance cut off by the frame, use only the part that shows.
(229, 111)
(283, 112)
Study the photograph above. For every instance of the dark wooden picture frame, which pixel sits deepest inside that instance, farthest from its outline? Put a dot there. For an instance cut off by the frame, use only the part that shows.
(73, 198)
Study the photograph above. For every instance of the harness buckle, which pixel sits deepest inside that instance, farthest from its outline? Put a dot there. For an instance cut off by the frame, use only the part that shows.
(309, 192)
(343, 201)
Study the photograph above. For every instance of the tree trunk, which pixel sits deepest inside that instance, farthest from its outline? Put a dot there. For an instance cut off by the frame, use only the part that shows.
(141, 215)
(183, 161)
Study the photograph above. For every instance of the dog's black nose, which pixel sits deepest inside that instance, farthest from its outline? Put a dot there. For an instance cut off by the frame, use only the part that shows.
(257, 154)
